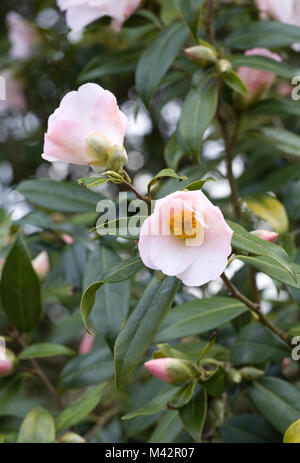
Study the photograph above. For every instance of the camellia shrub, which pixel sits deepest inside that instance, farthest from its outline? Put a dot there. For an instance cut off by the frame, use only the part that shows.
(149, 221)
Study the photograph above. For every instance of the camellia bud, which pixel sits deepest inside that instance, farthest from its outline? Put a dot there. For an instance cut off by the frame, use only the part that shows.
(171, 370)
(234, 376)
(223, 66)
(41, 265)
(8, 364)
(218, 409)
(107, 156)
(71, 438)
(251, 373)
(201, 55)
(86, 344)
(292, 434)
(266, 235)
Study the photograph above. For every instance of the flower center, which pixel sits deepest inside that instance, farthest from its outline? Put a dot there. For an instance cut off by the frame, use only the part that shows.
(184, 225)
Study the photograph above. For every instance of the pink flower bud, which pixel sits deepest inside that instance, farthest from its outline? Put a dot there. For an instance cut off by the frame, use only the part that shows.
(266, 235)
(67, 238)
(41, 265)
(8, 363)
(256, 80)
(86, 344)
(201, 55)
(172, 370)
(23, 36)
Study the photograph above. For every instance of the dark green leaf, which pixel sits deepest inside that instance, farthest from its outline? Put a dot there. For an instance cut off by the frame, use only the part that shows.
(43, 350)
(168, 428)
(197, 113)
(20, 288)
(156, 405)
(92, 182)
(193, 415)
(199, 316)
(79, 409)
(256, 344)
(141, 327)
(190, 12)
(278, 106)
(121, 272)
(59, 196)
(158, 57)
(248, 429)
(280, 139)
(268, 34)
(233, 81)
(265, 64)
(277, 400)
(38, 427)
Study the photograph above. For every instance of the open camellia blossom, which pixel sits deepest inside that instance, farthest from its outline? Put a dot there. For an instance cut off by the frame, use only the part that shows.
(22, 35)
(286, 11)
(87, 129)
(187, 237)
(255, 79)
(80, 13)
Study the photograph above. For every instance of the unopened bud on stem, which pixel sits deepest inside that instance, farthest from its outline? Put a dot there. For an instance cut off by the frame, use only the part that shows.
(172, 371)
(223, 66)
(8, 363)
(251, 373)
(203, 56)
(106, 155)
(266, 235)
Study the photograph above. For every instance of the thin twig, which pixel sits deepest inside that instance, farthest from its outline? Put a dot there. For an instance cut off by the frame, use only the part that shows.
(137, 194)
(229, 144)
(254, 307)
(102, 422)
(38, 371)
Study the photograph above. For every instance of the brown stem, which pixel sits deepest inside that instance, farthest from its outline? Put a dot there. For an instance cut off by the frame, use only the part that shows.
(211, 21)
(102, 421)
(255, 290)
(254, 307)
(137, 194)
(229, 144)
(38, 371)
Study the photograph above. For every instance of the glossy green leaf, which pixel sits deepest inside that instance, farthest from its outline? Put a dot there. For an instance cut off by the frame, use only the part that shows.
(158, 57)
(263, 34)
(38, 427)
(248, 428)
(193, 415)
(111, 63)
(256, 344)
(43, 350)
(59, 196)
(112, 300)
(141, 327)
(164, 173)
(155, 405)
(167, 429)
(92, 182)
(199, 184)
(20, 288)
(265, 64)
(173, 152)
(198, 110)
(245, 241)
(270, 209)
(183, 396)
(121, 272)
(277, 400)
(199, 316)
(88, 369)
(190, 12)
(10, 389)
(79, 409)
(279, 139)
(278, 106)
(233, 81)
(273, 269)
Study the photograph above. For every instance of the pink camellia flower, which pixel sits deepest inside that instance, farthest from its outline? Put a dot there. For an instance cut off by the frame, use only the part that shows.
(41, 265)
(287, 11)
(8, 362)
(87, 129)
(86, 344)
(80, 13)
(187, 237)
(6, 367)
(266, 235)
(22, 35)
(11, 94)
(255, 79)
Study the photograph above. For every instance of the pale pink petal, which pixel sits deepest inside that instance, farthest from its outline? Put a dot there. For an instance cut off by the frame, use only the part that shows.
(158, 368)
(108, 120)
(66, 141)
(79, 17)
(86, 344)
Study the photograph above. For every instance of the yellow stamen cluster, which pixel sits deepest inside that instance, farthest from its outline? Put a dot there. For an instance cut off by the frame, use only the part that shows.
(184, 225)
